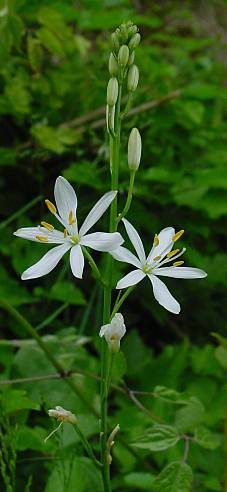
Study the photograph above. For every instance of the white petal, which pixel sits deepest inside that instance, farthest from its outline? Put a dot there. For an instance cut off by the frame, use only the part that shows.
(165, 244)
(180, 272)
(77, 261)
(102, 241)
(103, 330)
(135, 240)
(123, 254)
(65, 198)
(163, 296)
(31, 233)
(47, 262)
(97, 211)
(131, 278)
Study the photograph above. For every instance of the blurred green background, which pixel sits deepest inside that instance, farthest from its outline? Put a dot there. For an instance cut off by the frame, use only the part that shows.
(53, 77)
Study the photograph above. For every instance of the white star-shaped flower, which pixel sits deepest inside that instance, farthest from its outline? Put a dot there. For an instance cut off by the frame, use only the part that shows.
(71, 239)
(152, 265)
(113, 332)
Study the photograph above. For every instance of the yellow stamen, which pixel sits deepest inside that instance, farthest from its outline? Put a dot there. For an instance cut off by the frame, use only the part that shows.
(157, 258)
(178, 263)
(47, 226)
(44, 239)
(156, 240)
(51, 207)
(72, 219)
(178, 235)
(65, 233)
(172, 253)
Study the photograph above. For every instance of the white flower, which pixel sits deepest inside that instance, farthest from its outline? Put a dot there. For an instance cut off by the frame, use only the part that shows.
(62, 415)
(71, 239)
(113, 332)
(152, 266)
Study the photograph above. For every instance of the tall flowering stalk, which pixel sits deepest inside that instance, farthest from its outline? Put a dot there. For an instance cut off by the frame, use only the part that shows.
(124, 77)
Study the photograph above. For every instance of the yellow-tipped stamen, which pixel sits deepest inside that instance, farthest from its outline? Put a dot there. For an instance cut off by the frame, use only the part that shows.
(51, 207)
(72, 219)
(157, 258)
(44, 239)
(178, 235)
(47, 226)
(178, 263)
(156, 240)
(172, 253)
(65, 233)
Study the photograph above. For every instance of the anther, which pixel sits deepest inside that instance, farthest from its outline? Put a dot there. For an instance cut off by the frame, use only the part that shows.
(157, 258)
(178, 263)
(47, 226)
(71, 218)
(156, 240)
(178, 235)
(65, 233)
(51, 207)
(172, 253)
(44, 239)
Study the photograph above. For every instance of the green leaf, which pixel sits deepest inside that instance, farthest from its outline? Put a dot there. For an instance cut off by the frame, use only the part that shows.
(81, 476)
(190, 416)
(65, 292)
(119, 366)
(221, 355)
(14, 400)
(139, 480)
(205, 438)
(157, 438)
(51, 42)
(176, 477)
(168, 394)
(35, 53)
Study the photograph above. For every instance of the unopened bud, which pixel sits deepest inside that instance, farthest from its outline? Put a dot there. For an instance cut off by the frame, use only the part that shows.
(124, 33)
(134, 41)
(123, 55)
(133, 78)
(112, 91)
(131, 59)
(113, 65)
(134, 149)
(115, 42)
(132, 30)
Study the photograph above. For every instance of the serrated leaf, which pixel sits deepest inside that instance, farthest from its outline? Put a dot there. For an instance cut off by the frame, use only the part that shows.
(205, 438)
(176, 477)
(190, 415)
(158, 438)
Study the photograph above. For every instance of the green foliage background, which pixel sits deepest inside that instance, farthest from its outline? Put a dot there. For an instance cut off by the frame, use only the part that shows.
(53, 76)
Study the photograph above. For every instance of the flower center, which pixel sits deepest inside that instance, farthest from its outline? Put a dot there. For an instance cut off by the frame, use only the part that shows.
(75, 238)
(147, 268)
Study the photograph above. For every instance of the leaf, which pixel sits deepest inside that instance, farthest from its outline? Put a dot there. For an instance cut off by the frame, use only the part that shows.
(51, 42)
(140, 480)
(14, 400)
(81, 475)
(66, 292)
(190, 416)
(35, 53)
(119, 366)
(158, 438)
(168, 394)
(176, 477)
(206, 439)
(221, 356)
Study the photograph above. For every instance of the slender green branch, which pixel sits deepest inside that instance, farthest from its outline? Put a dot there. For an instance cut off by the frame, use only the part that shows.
(122, 299)
(127, 107)
(93, 265)
(129, 197)
(87, 445)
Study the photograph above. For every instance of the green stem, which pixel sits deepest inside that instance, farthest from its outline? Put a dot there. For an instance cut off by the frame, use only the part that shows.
(121, 300)
(93, 265)
(114, 166)
(59, 368)
(87, 445)
(129, 197)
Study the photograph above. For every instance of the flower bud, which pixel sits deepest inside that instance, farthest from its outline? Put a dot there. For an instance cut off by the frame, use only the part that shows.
(115, 42)
(134, 149)
(123, 55)
(132, 30)
(62, 415)
(134, 41)
(113, 332)
(113, 65)
(112, 91)
(133, 78)
(131, 59)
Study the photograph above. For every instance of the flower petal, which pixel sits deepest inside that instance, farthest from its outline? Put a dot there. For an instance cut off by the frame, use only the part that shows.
(131, 278)
(163, 296)
(65, 198)
(165, 244)
(102, 241)
(123, 254)
(97, 211)
(135, 240)
(47, 262)
(77, 261)
(31, 233)
(180, 272)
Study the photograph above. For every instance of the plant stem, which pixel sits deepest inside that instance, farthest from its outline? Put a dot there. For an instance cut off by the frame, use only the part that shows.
(129, 197)
(86, 445)
(114, 166)
(93, 265)
(121, 300)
